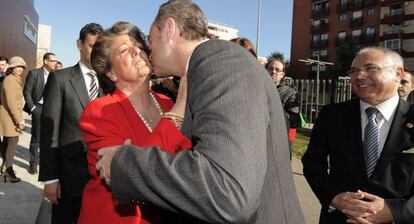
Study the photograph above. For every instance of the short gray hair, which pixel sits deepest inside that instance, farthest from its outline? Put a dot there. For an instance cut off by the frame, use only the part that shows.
(396, 59)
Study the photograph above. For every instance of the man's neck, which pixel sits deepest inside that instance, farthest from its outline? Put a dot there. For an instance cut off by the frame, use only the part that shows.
(184, 54)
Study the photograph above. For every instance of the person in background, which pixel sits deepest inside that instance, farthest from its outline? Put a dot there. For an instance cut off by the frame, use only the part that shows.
(33, 91)
(168, 87)
(11, 115)
(3, 67)
(288, 95)
(245, 43)
(63, 166)
(360, 161)
(406, 85)
(59, 65)
(238, 168)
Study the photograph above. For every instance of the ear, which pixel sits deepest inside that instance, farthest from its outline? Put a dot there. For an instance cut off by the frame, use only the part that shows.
(170, 28)
(400, 73)
(79, 44)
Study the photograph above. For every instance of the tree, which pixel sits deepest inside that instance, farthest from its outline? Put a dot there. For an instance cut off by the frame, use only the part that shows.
(276, 55)
(345, 53)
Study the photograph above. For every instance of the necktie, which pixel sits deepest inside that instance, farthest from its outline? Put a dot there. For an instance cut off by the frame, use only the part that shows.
(93, 88)
(371, 140)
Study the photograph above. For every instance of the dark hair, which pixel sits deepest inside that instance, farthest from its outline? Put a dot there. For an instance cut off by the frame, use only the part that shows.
(46, 56)
(101, 54)
(4, 58)
(189, 17)
(59, 63)
(245, 43)
(275, 59)
(90, 28)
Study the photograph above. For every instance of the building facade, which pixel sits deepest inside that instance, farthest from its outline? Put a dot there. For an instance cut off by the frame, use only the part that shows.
(320, 26)
(44, 42)
(18, 30)
(222, 32)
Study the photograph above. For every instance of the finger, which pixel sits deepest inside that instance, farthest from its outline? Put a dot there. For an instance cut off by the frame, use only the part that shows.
(370, 196)
(127, 142)
(98, 165)
(356, 213)
(108, 181)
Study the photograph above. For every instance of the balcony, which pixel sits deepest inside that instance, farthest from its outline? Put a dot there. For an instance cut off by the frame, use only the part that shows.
(357, 39)
(321, 28)
(391, 2)
(356, 5)
(394, 17)
(356, 22)
(320, 12)
(341, 8)
(319, 44)
(369, 39)
(371, 3)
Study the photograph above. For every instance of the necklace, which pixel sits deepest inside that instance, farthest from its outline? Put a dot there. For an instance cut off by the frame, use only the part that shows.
(145, 121)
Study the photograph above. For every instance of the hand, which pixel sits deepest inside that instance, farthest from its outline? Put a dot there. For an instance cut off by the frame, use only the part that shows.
(21, 125)
(179, 106)
(352, 205)
(52, 192)
(383, 213)
(104, 164)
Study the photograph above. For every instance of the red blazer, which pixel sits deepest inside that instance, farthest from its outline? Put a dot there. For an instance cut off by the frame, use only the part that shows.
(109, 121)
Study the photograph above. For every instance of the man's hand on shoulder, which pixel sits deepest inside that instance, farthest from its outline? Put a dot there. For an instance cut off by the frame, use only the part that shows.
(105, 158)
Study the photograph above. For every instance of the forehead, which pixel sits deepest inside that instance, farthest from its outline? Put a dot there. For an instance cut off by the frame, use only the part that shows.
(123, 39)
(370, 57)
(90, 39)
(407, 76)
(2, 62)
(51, 57)
(276, 64)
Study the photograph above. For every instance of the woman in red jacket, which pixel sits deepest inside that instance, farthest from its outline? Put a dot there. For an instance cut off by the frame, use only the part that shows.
(128, 111)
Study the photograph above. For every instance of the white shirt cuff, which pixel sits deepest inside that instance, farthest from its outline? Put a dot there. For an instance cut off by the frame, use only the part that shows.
(50, 182)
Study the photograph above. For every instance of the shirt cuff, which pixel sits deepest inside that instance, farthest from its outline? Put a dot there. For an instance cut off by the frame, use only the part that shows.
(50, 182)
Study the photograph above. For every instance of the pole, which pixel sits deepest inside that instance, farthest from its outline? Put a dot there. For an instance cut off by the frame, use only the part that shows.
(258, 26)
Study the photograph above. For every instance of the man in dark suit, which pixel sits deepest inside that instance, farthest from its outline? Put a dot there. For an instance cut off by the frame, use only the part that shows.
(238, 170)
(368, 176)
(32, 92)
(63, 164)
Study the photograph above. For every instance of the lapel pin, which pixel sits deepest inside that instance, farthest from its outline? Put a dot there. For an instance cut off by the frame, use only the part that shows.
(410, 125)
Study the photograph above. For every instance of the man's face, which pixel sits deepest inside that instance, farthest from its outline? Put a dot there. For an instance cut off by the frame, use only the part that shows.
(50, 63)
(3, 66)
(160, 51)
(406, 85)
(374, 77)
(275, 69)
(85, 49)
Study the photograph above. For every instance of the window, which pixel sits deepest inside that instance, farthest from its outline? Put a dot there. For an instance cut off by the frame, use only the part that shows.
(323, 53)
(356, 33)
(397, 9)
(370, 31)
(392, 44)
(371, 12)
(344, 3)
(316, 38)
(324, 37)
(342, 35)
(357, 14)
(342, 17)
(316, 22)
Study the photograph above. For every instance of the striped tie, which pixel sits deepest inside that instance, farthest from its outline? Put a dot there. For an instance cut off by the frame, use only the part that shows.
(93, 88)
(371, 140)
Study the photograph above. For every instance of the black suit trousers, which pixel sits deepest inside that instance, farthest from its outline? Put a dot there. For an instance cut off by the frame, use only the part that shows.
(67, 211)
(34, 140)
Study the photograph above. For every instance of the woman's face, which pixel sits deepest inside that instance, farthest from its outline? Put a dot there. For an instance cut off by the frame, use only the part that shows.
(18, 70)
(130, 63)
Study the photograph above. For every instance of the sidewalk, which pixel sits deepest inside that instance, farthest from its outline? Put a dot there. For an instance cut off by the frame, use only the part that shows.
(19, 202)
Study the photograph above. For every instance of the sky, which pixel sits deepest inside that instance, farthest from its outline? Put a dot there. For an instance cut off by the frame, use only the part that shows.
(67, 17)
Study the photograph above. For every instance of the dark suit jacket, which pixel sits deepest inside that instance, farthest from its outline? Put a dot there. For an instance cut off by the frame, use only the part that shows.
(62, 149)
(238, 170)
(337, 134)
(33, 88)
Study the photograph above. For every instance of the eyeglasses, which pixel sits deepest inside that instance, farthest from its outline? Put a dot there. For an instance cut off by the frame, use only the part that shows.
(276, 69)
(53, 61)
(369, 70)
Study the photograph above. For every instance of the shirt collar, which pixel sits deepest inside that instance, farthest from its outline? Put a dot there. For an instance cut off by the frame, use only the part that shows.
(386, 108)
(191, 54)
(85, 70)
(45, 71)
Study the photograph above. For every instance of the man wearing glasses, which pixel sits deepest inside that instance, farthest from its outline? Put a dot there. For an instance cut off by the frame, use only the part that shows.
(33, 90)
(369, 141)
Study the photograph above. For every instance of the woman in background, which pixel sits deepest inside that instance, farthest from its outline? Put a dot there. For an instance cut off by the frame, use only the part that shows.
(11, 116)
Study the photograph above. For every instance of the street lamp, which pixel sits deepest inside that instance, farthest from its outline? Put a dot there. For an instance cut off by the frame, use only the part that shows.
(318, 64)
(258, 26)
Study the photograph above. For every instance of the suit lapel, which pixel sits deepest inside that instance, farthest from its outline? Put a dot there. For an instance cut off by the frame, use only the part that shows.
(78, 84)
(41, 78)
(356, 133)
(398, 137)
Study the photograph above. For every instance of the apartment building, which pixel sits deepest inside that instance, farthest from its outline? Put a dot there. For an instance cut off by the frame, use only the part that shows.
(320, 26)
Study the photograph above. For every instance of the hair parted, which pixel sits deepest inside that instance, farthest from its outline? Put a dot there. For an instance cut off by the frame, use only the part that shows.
(101, 51)
(189, 17)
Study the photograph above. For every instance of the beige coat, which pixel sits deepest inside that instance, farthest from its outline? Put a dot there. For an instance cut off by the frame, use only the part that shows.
(11, 108)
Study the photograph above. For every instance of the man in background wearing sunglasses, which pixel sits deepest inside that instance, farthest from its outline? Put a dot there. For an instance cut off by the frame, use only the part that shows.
(360, 159)
(33, 90)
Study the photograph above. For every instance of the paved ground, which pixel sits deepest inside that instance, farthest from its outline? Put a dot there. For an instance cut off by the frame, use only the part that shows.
(19, 202)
